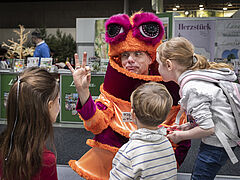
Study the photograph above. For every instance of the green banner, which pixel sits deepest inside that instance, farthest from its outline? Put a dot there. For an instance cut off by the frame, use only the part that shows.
(167, 19)
(7, 81)
(69, 96)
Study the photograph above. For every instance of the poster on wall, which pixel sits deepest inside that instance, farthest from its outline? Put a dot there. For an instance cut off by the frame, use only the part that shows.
(201, 32)
(227, 39)
(100, 45)
(167, 20)
(100, 60)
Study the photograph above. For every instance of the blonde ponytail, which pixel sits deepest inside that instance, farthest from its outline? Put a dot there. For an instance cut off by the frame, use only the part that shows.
(181, 50)
(202, 63)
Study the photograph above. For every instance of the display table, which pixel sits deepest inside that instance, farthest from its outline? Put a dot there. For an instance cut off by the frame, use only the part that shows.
(68, 94)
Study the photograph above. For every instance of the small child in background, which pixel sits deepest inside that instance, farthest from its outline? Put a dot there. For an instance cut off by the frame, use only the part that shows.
(204, 103)
(32, 107)
(148, 154)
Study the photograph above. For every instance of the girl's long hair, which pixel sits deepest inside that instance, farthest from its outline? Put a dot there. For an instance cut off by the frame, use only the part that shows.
(21, 155)
(181, 50)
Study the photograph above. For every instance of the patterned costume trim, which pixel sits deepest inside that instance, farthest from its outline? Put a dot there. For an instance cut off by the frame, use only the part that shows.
(95, 170)
(98, 127)
(85, 175)
(94, 143)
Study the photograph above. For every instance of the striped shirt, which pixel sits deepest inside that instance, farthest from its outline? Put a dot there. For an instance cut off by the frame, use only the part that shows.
(147, 155)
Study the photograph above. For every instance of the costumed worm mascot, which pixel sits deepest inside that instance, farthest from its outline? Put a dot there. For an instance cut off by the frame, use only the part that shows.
(140, 32)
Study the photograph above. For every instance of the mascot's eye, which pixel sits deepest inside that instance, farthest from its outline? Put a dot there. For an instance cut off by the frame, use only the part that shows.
(114, 29)
(117, 28)
(150, 30)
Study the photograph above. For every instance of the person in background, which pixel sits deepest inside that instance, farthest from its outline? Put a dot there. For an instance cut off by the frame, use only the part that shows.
(132, 61)
(42, 50)
(32, 108)
(204, 103)
(3, 61)
(3, 52)
(148, 154)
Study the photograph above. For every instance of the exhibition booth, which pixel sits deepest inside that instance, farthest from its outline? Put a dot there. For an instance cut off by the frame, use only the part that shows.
(217, 39)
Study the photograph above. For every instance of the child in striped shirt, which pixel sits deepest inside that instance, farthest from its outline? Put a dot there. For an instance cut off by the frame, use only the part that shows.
(148, 154)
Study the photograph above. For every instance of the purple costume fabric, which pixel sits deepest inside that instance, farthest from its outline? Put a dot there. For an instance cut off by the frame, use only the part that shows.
(112, 138)
(123, 89)
(89, 108)
(126, 85)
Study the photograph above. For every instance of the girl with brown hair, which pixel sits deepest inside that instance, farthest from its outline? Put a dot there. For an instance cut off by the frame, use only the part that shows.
(32, 107)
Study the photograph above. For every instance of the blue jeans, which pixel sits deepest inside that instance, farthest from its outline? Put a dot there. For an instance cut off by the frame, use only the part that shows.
(209, 160)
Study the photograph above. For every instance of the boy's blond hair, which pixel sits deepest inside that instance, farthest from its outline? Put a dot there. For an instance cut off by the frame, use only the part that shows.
(151, 102)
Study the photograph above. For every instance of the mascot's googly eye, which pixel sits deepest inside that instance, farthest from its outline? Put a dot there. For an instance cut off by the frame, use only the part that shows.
(148, 27)
(117, 28)
(149, 30)
(114, 29)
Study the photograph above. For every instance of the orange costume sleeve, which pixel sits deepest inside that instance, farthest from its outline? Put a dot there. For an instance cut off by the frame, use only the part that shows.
(100, 120)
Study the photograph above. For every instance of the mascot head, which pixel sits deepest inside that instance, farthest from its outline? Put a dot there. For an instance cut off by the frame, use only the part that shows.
(141, 32)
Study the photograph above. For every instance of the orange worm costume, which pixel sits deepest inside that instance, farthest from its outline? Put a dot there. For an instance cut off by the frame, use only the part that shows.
(141, 32)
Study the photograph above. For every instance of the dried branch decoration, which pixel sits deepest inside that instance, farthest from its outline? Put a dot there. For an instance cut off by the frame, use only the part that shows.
(17, 49)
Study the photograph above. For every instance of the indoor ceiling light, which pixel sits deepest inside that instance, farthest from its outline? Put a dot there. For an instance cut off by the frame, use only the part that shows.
(186, 13)
(224, 8)
(174, 9)
(200, 5)
(201, 8)
(229, 4)
(177, 6)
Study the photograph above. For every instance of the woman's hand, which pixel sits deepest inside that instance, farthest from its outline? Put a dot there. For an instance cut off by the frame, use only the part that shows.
(82, 77)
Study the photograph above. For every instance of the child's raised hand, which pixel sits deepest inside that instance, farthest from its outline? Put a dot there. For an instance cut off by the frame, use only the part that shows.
(82, 77)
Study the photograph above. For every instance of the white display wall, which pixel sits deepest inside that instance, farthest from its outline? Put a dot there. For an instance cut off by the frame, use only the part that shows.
(215, 38)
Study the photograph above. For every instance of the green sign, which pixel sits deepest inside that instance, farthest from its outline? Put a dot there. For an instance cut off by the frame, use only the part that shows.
(69, 96)
(167, 19)
(7, 81)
